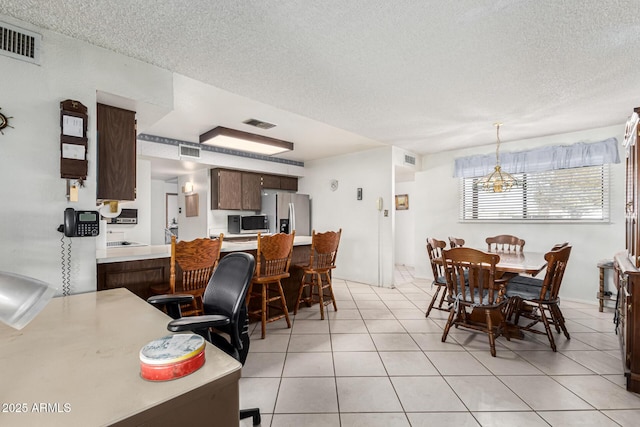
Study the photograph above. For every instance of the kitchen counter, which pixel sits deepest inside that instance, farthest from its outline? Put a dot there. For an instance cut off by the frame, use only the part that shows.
(137, 253)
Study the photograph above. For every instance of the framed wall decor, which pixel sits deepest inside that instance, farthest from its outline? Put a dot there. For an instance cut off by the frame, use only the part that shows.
(402, 202)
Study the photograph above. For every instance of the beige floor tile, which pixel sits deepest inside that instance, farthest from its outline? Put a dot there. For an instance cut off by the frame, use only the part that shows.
(405, 303)
(385, 419)
(598, 361)
(403, 363)
(597, 340)
(394, 342)
(346, 304)
(506, 363)
(366, 297)
(353, 326)
(599, 392)
(542, 393)
(284, 373)
(422, 325)
(308, 365)
(372, 313)
(426, 394)
(358, 364)
(307, 395)
(485, 393)
(316, 326)
(306, 420)
(265, 421)
(348, 313)
(352, 342)
(367, 394)
(433, 342)
(626, 418)
(263, 365)
(577, 418)
(456, 363)
(259, 393)
(554, 363)
(509, 419)
(408, 313)
(274, 343)
(308, 342)
(430, 419)
(383, 326)
(378, 304)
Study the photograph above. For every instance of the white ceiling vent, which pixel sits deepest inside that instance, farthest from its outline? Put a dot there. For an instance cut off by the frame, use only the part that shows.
(189, 151)
(409, 160)
(19, 43)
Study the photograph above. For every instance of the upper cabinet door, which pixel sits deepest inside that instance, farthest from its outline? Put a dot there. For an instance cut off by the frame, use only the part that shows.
(251, 191)
(116, 162)
(226, 189)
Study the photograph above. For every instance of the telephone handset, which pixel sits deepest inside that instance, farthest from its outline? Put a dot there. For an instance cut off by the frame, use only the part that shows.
(80, 223)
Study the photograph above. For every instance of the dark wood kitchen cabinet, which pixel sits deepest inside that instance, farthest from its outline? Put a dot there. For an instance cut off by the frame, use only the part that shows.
(627, 277)
(251, 191)
(137, 276)
(226, 189)
(279, 182)
(116, 160)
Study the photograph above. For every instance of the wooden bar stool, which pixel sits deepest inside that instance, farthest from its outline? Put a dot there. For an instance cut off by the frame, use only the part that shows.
(273, 259)
(322, 259)
(194, 262)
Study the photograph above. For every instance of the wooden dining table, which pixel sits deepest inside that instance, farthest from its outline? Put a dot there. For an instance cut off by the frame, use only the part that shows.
(514, 263)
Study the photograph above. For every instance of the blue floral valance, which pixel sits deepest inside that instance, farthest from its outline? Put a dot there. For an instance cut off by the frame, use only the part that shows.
(541, 159)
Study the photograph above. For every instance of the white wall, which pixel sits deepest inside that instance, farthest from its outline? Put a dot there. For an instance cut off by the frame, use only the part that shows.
(194, 227)
(34, 195)
(367, 240)
(404, 232)
(437, 204)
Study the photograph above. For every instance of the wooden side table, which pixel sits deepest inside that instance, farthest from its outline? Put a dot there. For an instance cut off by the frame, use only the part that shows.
(605, 264)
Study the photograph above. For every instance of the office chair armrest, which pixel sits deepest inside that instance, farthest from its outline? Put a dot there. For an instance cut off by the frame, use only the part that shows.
(170, 299)
(194, 323)
(170, 303)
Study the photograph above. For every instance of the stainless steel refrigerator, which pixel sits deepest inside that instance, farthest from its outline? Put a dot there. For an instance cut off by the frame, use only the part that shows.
(287, 212)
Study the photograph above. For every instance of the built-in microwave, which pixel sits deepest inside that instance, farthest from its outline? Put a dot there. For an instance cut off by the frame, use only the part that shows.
(247, 224)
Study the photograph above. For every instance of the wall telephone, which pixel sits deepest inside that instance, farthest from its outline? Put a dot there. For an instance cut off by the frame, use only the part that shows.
(80, 223)
(379, 203)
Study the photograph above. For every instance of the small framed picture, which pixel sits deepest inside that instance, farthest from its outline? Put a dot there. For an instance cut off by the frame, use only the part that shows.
(402, 202)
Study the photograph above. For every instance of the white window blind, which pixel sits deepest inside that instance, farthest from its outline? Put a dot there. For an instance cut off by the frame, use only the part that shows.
(564, 195)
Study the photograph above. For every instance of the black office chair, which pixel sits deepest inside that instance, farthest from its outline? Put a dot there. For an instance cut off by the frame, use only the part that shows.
(225, 311)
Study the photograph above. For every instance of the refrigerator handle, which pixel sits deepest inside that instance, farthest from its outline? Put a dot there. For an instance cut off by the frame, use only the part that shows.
(292, 217)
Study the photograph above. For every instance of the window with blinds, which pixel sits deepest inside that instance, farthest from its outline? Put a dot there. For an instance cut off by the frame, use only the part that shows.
(564, 195)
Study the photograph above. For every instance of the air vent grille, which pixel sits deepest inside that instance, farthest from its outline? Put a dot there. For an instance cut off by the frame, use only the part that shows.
(189, 151)
(409, 159)
(259, 124)
(18, 43)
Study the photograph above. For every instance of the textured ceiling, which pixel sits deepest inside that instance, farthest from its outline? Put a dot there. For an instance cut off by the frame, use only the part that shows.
(424, 75)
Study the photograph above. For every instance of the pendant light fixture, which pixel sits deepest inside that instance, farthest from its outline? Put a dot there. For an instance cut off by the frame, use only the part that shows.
(498, 180)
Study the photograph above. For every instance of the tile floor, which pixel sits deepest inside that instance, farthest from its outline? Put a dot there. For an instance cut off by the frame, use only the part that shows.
(379, 362)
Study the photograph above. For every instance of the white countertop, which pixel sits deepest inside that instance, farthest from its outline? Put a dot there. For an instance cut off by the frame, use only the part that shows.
(136, 253)
(82, 351)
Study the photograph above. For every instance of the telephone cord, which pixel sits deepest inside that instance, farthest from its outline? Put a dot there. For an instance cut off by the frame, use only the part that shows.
(66, 267)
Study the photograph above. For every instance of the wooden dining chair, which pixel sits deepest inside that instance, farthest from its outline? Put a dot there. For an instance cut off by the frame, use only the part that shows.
(193, 263)
(273, 259)
(317, 273)
(504, 243)
(455, 242)
(537, 299)
(434, 250)
(476, 300)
